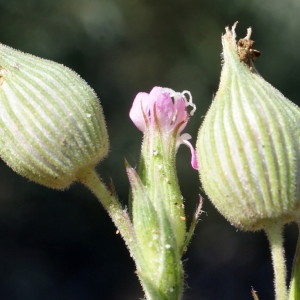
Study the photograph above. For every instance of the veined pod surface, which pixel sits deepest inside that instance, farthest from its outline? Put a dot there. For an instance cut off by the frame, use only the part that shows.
(248, 146)
(51, 121)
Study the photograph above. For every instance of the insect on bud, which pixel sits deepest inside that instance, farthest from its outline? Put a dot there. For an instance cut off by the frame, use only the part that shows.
(51, 122)
(246, 52)
(248, 146)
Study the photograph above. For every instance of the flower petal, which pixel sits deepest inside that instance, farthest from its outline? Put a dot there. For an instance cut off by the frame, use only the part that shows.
(183, 139)
(194, 161)
(136, 113)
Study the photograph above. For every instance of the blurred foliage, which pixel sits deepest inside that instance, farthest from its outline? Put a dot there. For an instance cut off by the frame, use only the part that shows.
(61, 245)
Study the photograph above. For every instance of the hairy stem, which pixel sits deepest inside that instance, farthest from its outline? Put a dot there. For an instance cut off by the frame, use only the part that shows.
(110, 202)
(274, 233)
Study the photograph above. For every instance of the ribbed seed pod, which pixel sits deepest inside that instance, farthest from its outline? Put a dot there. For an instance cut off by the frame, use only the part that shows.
(248, 146)
(51, 121)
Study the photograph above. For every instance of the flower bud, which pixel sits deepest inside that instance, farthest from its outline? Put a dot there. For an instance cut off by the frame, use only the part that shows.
(162, 116)
(51, 122)
(160, 266)
(158, 215)
(248, 146)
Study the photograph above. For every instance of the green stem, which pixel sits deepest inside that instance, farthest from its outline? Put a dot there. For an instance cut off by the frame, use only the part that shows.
(294, 292)
(274, 232)
(120, 217)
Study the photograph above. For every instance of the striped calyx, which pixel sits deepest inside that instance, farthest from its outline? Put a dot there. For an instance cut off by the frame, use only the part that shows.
(51, 122)
(248, 146)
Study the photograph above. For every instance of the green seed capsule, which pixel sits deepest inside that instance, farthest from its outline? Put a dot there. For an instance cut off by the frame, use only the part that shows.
(51, 122)
(248, 146)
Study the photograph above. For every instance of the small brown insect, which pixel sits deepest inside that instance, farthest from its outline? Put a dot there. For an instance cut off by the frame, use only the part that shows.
(112, 188)
(246, 53)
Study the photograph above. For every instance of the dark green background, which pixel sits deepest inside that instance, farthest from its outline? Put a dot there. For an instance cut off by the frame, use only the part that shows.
(62, 245)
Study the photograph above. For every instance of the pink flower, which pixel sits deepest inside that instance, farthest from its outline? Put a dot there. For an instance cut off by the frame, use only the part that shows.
(165, 110)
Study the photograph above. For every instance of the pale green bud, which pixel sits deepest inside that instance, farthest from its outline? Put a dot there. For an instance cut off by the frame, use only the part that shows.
(51, 122)
(160, 268)
(248, 146)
